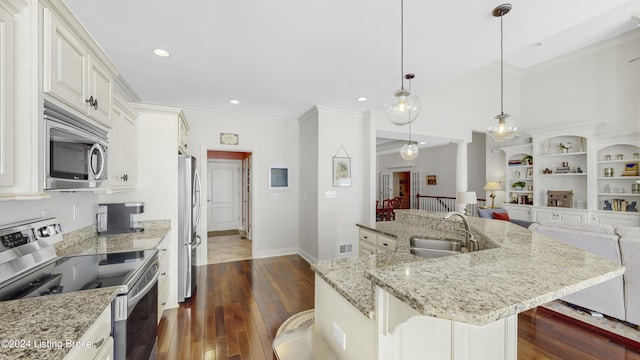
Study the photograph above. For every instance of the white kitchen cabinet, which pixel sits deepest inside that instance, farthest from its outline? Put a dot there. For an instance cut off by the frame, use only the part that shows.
(123, 152)
(163, 276)
(615, 218)
(7, 90)
(370, 242)
(98, 334)
(559, 214)
(72, 72)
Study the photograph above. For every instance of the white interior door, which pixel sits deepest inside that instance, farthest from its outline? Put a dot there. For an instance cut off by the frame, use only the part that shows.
(224, 198)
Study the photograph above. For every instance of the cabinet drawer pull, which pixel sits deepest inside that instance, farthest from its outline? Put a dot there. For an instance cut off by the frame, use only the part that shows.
(385, 244)
(163, 303)
(164, 273)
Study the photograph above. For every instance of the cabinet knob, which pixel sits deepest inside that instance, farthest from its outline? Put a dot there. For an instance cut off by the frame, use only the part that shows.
(92, 102)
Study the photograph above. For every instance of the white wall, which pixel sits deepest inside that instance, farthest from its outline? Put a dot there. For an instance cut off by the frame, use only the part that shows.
(60, 205)
(596, 83)
(270, 140)
(333, 218)
(338, 216)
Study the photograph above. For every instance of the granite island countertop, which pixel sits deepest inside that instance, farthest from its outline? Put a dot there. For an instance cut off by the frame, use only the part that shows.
(517, 270)
(39, 328)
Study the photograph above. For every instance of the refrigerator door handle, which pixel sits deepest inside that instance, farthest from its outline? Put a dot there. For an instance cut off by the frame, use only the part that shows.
(196, 243)
(196, 198)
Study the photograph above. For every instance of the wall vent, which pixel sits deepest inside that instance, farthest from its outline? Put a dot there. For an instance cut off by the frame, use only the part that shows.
(346, 248)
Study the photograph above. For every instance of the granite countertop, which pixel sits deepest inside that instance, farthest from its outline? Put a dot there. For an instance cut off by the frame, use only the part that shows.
(87, 241)
(39, 328)
(517, 270)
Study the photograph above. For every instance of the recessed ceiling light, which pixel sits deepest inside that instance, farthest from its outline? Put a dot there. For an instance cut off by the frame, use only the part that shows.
(422, 142)
(362, 99)
(161, 52)
(234, 101)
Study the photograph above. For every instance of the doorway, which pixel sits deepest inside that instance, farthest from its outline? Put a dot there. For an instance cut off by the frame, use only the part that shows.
(402, 188)
(228, 206)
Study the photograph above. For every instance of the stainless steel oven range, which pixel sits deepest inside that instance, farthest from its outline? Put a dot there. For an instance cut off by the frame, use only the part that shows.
(29, 267)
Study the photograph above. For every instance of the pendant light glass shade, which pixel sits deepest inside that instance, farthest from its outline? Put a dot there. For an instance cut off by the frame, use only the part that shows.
(409, 151)
(502, 127)
(403, 108)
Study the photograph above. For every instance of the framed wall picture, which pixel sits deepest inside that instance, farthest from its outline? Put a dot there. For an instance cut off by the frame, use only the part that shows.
(431, 180)
(341, 171)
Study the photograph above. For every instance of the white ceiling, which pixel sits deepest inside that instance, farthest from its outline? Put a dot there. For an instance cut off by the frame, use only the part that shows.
(279, 58)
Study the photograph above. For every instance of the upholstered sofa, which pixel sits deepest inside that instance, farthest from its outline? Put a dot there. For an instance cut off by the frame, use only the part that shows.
(619, 297)
(501, 214)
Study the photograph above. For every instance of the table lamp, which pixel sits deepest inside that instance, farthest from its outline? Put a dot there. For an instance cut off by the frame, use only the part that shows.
(493, 186)
(467, 198)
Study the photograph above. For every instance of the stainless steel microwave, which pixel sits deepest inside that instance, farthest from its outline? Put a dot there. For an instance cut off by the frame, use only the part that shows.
(75, 151)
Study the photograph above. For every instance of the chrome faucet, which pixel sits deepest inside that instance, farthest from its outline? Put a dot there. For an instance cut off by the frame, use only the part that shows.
(469, 239)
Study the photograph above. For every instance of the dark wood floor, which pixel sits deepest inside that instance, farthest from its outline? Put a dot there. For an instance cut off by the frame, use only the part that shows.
(239, 306)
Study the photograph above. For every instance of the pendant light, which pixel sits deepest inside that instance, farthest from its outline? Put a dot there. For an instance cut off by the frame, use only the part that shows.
(503, 127)
(403, 107)
(409, 151)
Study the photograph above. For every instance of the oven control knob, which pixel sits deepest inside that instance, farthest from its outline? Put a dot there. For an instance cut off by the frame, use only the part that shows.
(44, 231)
(49, 230)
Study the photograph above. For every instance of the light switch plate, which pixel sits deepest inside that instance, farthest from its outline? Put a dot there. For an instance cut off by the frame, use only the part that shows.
(330, 194)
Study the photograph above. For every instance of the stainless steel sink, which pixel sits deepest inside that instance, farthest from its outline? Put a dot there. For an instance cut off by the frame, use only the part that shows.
(432, 248)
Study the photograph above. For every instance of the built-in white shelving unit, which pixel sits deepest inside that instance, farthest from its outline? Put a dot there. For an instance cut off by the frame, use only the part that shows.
(579, 170)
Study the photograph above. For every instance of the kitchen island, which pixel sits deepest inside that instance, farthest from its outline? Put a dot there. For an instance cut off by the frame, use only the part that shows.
(452, 306)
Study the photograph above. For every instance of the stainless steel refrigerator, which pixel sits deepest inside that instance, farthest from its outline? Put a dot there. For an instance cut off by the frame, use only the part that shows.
(188, 221)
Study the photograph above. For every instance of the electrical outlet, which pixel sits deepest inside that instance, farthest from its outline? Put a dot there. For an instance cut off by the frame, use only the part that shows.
(76, 211)
(340, 336)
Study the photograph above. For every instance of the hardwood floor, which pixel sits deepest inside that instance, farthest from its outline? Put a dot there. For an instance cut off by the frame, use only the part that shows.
(239, 306)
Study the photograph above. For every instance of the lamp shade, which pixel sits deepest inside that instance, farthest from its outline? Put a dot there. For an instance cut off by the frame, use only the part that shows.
(467, 197)
(492, 186)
